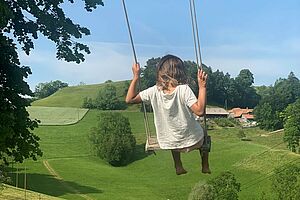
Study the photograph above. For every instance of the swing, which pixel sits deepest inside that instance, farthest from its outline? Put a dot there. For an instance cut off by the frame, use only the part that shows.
(151, 142)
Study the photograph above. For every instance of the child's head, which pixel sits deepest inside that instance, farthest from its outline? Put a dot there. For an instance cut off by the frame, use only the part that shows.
(170, 72)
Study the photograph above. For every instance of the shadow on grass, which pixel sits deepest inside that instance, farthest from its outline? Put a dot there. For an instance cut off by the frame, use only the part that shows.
(139, 153)
(52, 186)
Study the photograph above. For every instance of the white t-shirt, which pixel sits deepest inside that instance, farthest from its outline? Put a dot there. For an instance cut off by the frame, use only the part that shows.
(175, 123)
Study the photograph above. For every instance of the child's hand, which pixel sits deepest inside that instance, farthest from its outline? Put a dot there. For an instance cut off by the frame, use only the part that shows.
(202, 78)
(136, 70)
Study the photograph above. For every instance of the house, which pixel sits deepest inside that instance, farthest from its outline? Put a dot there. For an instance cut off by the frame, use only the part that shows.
(216, 113)
(243, 115)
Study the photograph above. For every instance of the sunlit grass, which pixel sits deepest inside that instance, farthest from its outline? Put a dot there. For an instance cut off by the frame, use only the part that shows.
(67, 150)
(56, 115)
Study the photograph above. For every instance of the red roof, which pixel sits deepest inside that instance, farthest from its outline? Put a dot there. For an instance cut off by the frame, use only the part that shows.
(238, 112)
(248, 116)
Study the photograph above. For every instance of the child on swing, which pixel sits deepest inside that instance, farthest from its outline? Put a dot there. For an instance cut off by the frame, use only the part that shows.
(174, 105)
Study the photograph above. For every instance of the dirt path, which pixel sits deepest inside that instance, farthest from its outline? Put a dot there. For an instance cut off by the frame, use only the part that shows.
(270, 133)
(58, 177)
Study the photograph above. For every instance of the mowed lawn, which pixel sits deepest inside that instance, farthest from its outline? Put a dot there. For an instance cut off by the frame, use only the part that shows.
(69, 170)
(12, 193)
(56, 115)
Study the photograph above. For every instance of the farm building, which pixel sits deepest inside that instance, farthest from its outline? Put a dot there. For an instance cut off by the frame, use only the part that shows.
(216, 112)
(243, 115)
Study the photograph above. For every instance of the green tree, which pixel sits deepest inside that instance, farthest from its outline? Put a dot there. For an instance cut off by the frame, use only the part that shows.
(88, 103)
(148, 73)
(16, 140)
(263, 90)
(230, 192)
(107, 99)
(43, 90)
(292, 126)
(247, 96)
(113, 140)
(276, 98)
(22, 21)
(222, 187)
(267, 118)
(231, 92)
(286, 182)
(191, 72)
(245, 78)
(286, 91)
(221, 88)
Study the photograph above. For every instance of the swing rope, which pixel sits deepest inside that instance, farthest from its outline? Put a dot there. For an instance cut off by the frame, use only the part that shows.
(198, 56)
(146, 120)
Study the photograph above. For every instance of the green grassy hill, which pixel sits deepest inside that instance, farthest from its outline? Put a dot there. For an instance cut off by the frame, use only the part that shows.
(73, 96)
(69, 170)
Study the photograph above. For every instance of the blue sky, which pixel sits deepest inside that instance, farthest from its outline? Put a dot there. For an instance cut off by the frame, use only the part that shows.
(260, 35)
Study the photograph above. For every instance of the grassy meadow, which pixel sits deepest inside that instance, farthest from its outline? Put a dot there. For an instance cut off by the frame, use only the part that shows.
(69, 170)
(56, 115)
(73, 96)
(76, 174)
(13, 193)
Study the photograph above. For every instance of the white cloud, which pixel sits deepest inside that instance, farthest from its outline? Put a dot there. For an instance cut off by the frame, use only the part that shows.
(112, 61)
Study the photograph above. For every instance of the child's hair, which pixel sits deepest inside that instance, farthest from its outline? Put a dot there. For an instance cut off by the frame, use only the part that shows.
(170, 72)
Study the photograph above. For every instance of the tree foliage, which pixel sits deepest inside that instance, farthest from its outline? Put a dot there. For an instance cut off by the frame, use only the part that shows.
(4, 178)
(43, 90)
(26, 18)
(225, 186)
(221, 88)
(246, 94)
(267, 117)
(274, 101)
(107, 99)
(24, 21)
(202, 192)
(222, 187)
(286, 182)
(16, 139)
(292, 126)
(113, 140)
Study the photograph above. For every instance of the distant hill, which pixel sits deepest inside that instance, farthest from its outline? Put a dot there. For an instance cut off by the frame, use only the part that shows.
(73, 96)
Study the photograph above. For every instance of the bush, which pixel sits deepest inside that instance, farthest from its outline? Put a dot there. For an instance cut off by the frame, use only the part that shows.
(202, 192)
(230, 192)
(3, 177)
(286, 182)
(106, 99)
(241, 134)
(88, 103)
(224, 122)
(215, 188)
(113, 140)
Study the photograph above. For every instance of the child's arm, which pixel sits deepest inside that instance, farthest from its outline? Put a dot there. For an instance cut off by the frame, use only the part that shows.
(199, 106)
(132, 96)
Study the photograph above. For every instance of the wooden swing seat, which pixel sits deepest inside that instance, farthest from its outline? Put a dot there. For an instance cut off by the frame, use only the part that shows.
(152, 144)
